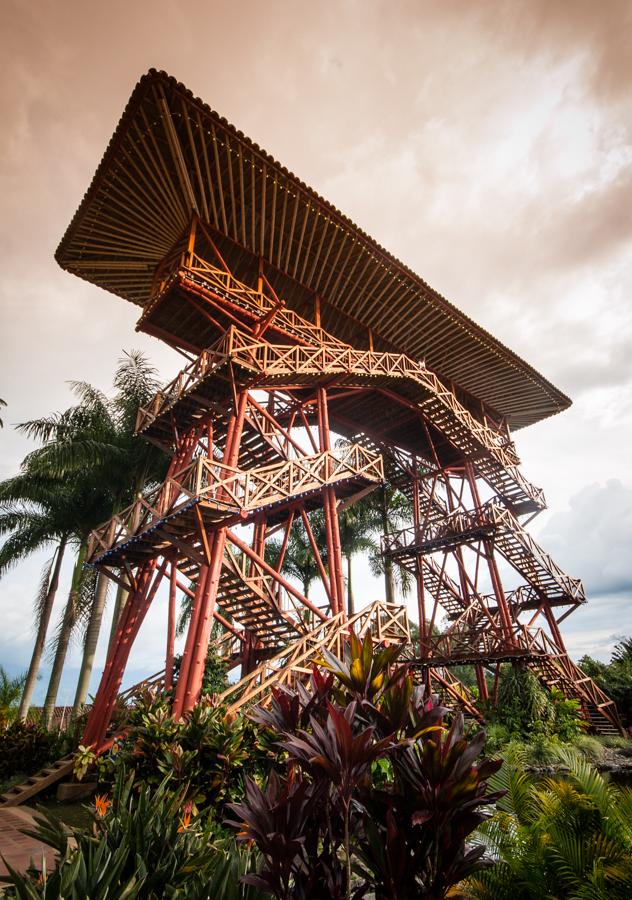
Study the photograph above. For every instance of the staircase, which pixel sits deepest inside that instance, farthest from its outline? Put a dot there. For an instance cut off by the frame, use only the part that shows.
(207, 494)
(557, 670)
(386, 622)
(251, 601)
(494, 522)
(279, 364)
(43, 779)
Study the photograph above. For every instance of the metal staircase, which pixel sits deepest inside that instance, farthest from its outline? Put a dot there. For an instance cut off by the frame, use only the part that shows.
(387, 623)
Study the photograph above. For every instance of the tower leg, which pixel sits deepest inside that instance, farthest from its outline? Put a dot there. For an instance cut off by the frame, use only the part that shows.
(196, 648)
(131, 619)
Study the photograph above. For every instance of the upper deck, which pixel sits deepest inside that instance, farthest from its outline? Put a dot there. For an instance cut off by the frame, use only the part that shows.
(172, 157)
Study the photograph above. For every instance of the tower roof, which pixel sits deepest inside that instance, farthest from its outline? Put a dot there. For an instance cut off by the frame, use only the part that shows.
(172, 156)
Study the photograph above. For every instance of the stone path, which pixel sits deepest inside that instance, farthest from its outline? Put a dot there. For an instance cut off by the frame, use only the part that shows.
(18, 849)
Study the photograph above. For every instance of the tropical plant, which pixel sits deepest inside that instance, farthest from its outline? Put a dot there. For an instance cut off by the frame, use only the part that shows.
(569, 836)
(25, 747)
(215, 678)
(299, 561)
(89, 452)
(390, 511)
(210, 751)
(357, 525)
(377, 795)
(145, 844)
(10, 691)
(35, 511)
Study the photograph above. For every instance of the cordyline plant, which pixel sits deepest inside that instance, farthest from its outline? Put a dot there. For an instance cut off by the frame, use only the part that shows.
(378, 797)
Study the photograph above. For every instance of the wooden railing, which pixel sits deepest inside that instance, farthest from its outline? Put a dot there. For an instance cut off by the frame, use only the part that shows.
(333, 357)
(386, 622)
(235, 491)
(516, 545)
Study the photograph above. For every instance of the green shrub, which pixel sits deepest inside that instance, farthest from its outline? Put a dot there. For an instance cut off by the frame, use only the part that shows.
(567, 837)
(215, 674)
(209, 750)
(590, 746)
(617, 742)
(25, 747)
(143, 844)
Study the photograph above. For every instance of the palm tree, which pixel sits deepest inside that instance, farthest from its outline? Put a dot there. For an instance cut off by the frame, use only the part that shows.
(36, 511)
(299, 561)
(357, 526)
(567, 836)
(10, 690)
(92, 447)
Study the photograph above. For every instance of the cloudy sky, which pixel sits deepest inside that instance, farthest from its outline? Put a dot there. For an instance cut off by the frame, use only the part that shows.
(487, 144)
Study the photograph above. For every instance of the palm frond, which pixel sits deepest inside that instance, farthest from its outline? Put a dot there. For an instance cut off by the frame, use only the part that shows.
(22, 542)
(42, 591)
(42, 429)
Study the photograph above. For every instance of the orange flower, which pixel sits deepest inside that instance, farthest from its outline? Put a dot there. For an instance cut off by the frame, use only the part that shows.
(184, 821)
(101, 804)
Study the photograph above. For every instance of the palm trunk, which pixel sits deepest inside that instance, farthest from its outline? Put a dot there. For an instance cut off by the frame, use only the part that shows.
(389, 580)
(122, 593)
(91, 641)
(42, 629)
(68, 623)
(350, 599)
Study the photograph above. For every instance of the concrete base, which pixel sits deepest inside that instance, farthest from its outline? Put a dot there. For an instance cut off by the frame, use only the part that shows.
(69, 791)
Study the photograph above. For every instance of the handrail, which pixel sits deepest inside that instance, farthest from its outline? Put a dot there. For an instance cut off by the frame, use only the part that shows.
(235, 490)
(330, 358)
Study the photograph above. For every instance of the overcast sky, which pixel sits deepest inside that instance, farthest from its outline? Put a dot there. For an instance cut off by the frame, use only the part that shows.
(486, 144)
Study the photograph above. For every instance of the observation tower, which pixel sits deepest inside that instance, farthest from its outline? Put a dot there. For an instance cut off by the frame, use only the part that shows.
(298, 330)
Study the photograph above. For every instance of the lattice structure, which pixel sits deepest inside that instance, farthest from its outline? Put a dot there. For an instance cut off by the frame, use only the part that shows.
(279, 364)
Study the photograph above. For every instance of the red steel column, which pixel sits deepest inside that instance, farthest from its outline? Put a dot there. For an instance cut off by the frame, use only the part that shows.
(132, 618)
(171, 625)
(334, 553)
(497, 587)
(188, 692)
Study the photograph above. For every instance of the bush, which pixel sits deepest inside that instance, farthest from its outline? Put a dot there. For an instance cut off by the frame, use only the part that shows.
(527, 712)
(144, 844)
(209, 750)
(25, 747)
(590, 747)
(215, 674)
(377, 796)
(568, 837)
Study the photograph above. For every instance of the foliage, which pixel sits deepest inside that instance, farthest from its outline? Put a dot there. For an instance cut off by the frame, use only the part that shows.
(566, 837)
(215, 673)
(209, 750)
(25, 747)
(299, 561)
(10, 692)
(527, 712)
(144, 844)
(615, 677)
(377, 796)
(89, 465)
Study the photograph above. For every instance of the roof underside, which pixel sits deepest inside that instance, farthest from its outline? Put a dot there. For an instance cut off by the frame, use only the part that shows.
(172, 156)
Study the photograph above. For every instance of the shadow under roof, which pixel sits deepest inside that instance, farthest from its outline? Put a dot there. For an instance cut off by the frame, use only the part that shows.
(172, 156)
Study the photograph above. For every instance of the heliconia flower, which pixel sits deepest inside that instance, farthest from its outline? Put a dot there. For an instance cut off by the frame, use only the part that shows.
(101, 804)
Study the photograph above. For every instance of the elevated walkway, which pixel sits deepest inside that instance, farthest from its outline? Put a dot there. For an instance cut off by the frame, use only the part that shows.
(274, 366)
(495, 522)
(207, 494)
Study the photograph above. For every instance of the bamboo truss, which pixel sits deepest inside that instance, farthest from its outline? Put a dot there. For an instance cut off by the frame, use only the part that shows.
(289, 347)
